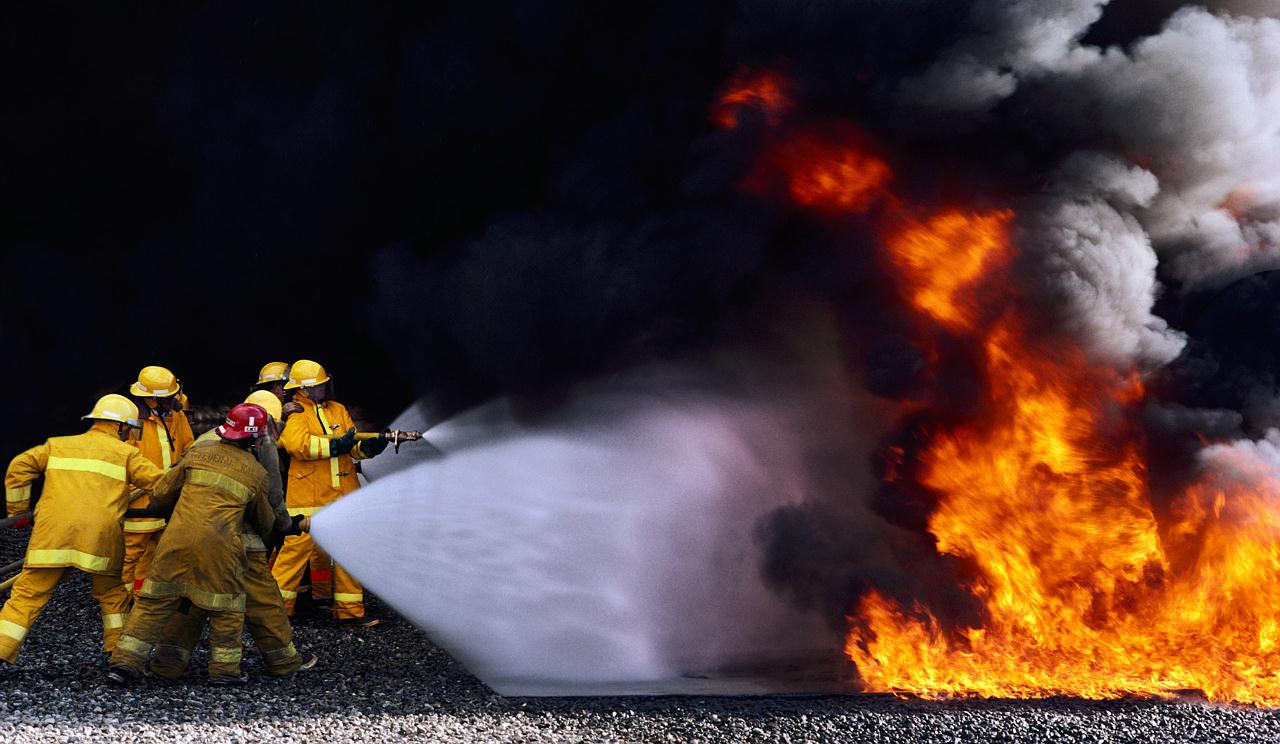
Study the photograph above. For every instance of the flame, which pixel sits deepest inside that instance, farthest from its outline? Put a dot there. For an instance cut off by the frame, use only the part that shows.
(829, 169)
(1082, 599)
(1046, 495)
(941, 257)
(1085, 591)
(764, 90)
(831, 172)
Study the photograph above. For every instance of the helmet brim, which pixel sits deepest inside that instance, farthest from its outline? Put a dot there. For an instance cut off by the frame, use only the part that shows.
(141, 392)
(133, 423)
(293, 384)
(234, 436)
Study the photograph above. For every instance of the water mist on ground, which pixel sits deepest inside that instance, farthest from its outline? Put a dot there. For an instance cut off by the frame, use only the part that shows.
(611, 546)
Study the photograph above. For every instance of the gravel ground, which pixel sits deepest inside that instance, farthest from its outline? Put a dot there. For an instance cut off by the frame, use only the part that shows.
(392, 683)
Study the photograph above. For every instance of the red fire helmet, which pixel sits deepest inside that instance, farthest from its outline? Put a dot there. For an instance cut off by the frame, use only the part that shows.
(245, 421)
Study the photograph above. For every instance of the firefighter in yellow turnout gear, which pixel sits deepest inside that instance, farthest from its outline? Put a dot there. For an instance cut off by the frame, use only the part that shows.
(211, 491)
(320, 441)
(165, 435)
(88, 479)
(265, 617)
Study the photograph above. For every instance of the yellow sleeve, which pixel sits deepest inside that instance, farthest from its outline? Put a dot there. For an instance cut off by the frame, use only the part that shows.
(23, 471)
(348, 423)
(261, 516)
(143, 473)
(300, 443)
(168, 487)
(183, 437)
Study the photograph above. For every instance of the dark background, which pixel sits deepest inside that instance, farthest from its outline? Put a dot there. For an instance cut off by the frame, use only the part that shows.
(454, 199)
(210, 188)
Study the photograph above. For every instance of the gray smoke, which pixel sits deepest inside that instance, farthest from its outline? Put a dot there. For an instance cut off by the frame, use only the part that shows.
(1087, 257)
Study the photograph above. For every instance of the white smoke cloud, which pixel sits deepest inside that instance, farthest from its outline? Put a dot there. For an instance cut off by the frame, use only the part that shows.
(1012, 40)
(1199, 103)
(1249, 462)
(1091, 261)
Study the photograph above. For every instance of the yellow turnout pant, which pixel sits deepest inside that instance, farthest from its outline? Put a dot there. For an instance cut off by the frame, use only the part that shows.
(292, 560)
(139, 547)
(147, 622)
(264, 618)
(31, 593)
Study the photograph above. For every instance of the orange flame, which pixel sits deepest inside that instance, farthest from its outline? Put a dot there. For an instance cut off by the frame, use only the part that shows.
(1085, 591)
(765, 90)
(946, 254)
(829, 172)
(1047, 496)
(1082, 595)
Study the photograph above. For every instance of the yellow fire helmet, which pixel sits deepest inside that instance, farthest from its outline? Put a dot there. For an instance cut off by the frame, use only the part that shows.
(155, 382)
(113, 407)
(272, 371)
(305, 373)
(267, 400)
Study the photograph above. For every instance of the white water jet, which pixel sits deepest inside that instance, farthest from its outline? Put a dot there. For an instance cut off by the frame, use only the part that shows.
(610, 549)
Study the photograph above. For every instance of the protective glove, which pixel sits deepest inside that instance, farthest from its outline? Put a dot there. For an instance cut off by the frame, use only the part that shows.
(21, 524)
(372, 447)
(300, 524)
(343, 444)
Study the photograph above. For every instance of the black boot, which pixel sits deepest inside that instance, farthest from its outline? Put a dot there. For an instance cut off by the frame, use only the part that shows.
(120, 675)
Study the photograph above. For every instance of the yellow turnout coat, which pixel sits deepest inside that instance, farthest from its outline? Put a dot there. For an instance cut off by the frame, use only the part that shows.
(316, 479)
(209, 491)
(87, 483)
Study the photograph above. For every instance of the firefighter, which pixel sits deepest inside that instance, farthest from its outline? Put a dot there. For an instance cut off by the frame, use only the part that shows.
(265, 616)
(87, 483)
(165, 435)
(200, 560)
(320, 440)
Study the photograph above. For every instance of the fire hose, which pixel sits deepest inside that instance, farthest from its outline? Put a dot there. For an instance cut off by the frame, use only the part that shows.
(395, 436)
(11, 567)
